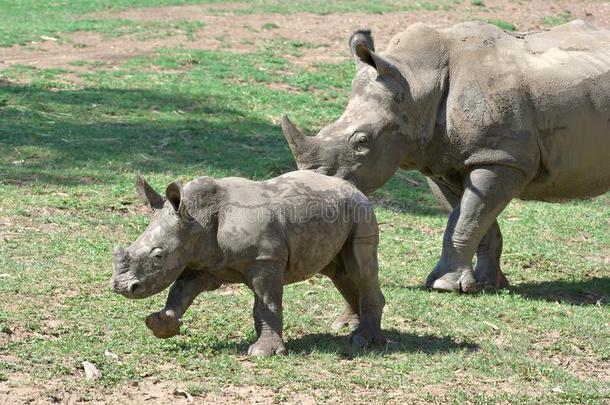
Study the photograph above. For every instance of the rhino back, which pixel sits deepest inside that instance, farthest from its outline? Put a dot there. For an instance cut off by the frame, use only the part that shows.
(539, 103)
(302, 218)
(568, 71)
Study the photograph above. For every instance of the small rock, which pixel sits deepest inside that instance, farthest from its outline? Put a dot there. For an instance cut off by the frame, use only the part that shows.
(91, 372)
(111, 355)
(179, 391)
(491, 325)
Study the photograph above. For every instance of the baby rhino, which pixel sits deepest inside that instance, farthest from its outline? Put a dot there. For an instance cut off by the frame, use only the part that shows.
(264, 234)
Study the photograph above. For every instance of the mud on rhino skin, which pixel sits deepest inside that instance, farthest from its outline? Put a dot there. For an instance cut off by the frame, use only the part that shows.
(263, 234)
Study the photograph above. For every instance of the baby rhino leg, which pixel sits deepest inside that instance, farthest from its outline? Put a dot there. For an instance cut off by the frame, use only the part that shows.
(265, 280)
(360, 260)
(349, 317)
(166, 323)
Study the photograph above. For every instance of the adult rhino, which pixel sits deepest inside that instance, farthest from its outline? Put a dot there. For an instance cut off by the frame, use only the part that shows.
(486, 115)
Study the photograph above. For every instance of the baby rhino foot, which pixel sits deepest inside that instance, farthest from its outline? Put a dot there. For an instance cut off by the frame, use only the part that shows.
(267, 347)
(362, 339)
(164, 324)
(346, 320)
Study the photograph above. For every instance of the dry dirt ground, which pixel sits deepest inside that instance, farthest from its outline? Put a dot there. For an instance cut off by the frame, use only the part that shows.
(227, 30)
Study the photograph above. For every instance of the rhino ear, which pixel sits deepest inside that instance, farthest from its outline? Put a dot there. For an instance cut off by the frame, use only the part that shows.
(360, 37)
(385, 68)
(173, 193)
(147, 194)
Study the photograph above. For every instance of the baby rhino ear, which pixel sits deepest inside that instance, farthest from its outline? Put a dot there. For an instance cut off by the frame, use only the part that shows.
(147, 194)
(173, 193)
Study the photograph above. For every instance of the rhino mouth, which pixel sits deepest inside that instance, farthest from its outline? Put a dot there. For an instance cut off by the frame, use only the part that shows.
(130, 286)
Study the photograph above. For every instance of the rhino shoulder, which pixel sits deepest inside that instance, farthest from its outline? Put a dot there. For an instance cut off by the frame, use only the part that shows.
(419, 45)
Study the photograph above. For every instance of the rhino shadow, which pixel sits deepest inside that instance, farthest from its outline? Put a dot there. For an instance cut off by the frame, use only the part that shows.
(399, 342)
(594, 291)
(100, 133)
(408, 193)
(77, 144)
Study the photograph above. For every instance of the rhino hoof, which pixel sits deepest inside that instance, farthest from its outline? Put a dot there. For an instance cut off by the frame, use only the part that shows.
(345, 321)
(362, 339)
(468, 284)
(491, 278)
(264, 349)
(163, 324)
(445, 285)
(359, 341)
(458, 281)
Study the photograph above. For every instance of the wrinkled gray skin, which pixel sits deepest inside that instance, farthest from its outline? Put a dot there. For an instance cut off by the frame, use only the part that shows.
(486, 115)
(264, 234)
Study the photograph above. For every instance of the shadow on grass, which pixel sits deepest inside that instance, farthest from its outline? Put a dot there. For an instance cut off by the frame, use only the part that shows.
(398, 342)
(91, 135)
(595, 291)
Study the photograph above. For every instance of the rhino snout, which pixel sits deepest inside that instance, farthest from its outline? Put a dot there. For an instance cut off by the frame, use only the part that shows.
(128, 286)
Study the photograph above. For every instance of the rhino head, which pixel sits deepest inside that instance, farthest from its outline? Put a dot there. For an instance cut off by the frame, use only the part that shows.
(370, 140)
(173, 241)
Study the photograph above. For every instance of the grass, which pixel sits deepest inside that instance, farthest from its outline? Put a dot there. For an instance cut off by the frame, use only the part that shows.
(505, 25)
(561, 18)
(69, 151)
(28, 20)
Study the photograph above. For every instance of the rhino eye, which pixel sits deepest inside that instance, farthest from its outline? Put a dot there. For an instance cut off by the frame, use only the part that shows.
(360, 141)
(156, 252)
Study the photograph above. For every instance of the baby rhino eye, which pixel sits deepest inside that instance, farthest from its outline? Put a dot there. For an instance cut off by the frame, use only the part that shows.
(156, 252)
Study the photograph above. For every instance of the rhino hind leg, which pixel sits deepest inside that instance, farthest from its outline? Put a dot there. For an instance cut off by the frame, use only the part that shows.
(349, 317)
(360, 259)
(488, 273)
(487, 191)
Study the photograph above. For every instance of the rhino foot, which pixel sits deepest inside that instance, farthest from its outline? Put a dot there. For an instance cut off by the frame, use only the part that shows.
(363, 339)
(491, 279)
(458, 281)
(346, 320)
(164, 324)
(267, 347)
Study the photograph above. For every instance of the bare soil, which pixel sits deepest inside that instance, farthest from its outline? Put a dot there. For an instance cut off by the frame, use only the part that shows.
(325, 35)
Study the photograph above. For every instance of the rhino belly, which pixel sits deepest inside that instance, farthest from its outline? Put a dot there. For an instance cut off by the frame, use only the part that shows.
(575, 164)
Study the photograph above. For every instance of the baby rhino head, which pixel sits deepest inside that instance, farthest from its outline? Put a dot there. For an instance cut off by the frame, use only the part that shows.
(173, 241)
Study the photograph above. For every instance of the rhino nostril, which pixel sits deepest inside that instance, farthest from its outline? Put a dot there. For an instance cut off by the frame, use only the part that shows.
(133, 287)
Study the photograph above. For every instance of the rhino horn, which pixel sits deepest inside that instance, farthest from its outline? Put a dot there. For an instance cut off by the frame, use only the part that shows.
(299, 144)
(121, 259)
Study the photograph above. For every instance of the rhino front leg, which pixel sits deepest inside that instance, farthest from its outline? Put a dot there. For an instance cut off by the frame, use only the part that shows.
(265, 280)
(166, 323)
(487, 271)
(487, 191)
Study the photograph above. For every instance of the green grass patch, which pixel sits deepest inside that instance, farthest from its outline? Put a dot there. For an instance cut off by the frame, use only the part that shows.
(27, 20)
(505, 25)
(561, 18)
